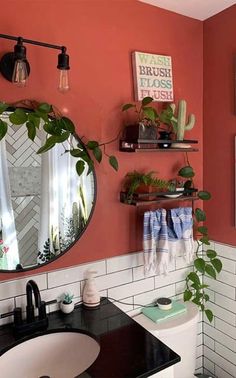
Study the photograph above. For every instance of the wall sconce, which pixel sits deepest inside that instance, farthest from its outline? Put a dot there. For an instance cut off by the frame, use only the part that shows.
(15, 68)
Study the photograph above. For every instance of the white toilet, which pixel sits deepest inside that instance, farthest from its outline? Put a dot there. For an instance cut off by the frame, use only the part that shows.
(180, 334)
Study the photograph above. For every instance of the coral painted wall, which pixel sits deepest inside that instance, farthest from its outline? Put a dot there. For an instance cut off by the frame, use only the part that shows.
(100, 36)
(220, 124)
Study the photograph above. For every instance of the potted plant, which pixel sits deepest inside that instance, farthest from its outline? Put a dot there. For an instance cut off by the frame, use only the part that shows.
(166, 126)
(145, 124)
(143, 183)
(206, 261)
(67, 305)
(177, 187)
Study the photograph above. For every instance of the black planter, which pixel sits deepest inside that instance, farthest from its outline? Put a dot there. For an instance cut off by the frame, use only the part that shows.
(164, 135)
(140, 131)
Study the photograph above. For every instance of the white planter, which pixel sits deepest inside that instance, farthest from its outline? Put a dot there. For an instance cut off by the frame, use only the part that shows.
(67, 308)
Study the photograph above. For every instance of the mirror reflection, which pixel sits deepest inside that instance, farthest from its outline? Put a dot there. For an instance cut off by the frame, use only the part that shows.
(44, 205)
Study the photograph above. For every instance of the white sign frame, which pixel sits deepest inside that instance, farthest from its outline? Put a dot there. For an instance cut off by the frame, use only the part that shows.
(152, 76)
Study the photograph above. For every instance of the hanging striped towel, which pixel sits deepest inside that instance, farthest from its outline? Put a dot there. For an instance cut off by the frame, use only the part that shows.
(155, 242)
(180, 232)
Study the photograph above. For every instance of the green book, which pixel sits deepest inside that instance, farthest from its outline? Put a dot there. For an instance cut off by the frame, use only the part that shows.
(157, 315)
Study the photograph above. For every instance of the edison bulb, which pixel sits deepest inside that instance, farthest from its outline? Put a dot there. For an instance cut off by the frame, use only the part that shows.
(63, 81)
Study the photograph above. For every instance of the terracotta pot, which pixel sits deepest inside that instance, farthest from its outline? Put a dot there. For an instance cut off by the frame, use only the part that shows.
(147, 189)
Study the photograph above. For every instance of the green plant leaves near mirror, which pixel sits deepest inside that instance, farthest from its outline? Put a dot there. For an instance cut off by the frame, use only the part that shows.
(58, 129)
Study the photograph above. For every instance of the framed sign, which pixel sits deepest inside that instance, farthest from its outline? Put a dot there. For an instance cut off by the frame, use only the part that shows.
(152, 76)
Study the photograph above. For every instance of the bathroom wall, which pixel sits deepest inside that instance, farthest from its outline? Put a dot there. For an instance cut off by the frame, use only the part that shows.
(219, 337)
(118, 277)
(100, 36)
(219, 124)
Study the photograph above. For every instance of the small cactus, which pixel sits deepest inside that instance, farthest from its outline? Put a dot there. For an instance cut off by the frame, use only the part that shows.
(179, 123)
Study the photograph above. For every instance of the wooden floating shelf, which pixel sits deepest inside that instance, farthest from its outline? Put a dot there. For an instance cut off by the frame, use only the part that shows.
(162, 150)
(159, 200)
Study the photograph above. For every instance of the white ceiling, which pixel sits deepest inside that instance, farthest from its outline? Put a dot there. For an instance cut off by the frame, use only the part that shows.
(200, 9)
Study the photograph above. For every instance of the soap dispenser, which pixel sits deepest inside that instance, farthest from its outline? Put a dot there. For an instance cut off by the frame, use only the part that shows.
(91, 297)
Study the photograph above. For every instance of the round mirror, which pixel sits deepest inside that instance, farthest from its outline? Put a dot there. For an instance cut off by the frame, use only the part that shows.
(45, 206)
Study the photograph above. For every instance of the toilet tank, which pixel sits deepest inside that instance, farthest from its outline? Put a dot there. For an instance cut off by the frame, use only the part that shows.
(180, 334)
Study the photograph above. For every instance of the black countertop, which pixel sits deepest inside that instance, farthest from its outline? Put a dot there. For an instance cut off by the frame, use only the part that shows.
(127, 349)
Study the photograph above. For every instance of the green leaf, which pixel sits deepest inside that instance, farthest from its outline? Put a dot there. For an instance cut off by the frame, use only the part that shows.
(3, 107)
(32, 117)
(18, 117)
(199, 264)
(146, 100)
(113, 162)
(203, 230)
(187, 295)
(127, 106)
(52, 128)
(206, 297)
(203, 195)
(210, 271)
(41, 115)
(194, 278)
(31, 130)
(203, 286)
(68, 124)
(200, 215)
(97, 154)
(90, 167)
(186, 172)
(44, 108)
(196, 301)
(150, 113)
(92, 144)
(80, 165)
(205, 240)
(202, 307)
(3, 129)
(209, 315)
(211, 254)
(217, 264)
(50, 143)
(61, 138)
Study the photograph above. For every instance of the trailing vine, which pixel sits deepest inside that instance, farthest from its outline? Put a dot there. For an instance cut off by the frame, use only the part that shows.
(206, 262)
(58, 129)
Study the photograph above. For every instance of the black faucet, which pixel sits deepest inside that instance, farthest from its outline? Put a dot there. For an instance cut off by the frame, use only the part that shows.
(32, 287)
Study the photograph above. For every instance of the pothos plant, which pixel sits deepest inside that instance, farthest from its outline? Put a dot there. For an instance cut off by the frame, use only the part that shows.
(58, 130)
(206, 262)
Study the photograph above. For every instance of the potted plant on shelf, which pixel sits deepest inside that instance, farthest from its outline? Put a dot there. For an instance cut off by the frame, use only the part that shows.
(166, 126)
(67, 305)
(206, 262)
(143, 183)
(144, 126)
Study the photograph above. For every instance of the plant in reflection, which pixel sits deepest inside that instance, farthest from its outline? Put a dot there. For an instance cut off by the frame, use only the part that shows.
(58, 130)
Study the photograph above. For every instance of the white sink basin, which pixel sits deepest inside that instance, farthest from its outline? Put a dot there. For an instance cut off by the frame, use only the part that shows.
(55, 355)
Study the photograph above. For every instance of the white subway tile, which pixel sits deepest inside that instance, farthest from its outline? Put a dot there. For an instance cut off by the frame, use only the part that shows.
(200, 327)
(131, 288)
(220, 361)
(208, 341)
(172, 277)
(222, 373)
(55, 293)
(221, 313)
(17, 287)
(124, 262)
(226, 328)
(75, 274)
(220, 337)
(198, 365)
(228, 265)
(228, 354)
(220, 287)
(225, 302)
(199, 352)
(181, 262)
(210, 366)
(226, 251)
(151, 296)
(138, 273)
(114, 279)
(227, 278)
(6, 305)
